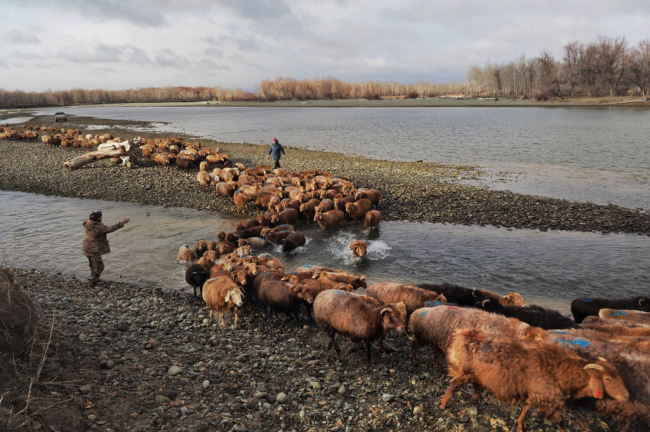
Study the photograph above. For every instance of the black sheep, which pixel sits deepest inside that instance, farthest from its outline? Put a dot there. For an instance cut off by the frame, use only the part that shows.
(536, 316)
(195, 276)
(581, 308)
(456, 294)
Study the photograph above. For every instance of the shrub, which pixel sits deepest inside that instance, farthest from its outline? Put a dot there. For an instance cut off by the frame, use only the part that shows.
(412, 95)
(541, 96)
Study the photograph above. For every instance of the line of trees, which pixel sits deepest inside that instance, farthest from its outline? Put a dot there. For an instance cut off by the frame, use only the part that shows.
(606, 67)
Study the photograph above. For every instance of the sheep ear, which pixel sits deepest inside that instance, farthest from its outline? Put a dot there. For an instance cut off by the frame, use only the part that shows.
(594, 366)
(228, 296)
(596, 386)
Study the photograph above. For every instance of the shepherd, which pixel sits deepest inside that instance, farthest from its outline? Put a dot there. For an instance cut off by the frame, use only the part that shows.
(276, 148)
(95, 243)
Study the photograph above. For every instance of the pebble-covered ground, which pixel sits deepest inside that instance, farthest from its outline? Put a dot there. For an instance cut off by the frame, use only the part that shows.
(150, 359)
(411, 190)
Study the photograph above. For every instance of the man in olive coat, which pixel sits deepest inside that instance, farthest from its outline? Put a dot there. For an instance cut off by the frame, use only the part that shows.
(95, 243)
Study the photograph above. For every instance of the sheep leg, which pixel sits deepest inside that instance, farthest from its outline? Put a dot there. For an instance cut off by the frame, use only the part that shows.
(333, 343)
(477, 392)
(557, 419)
(297, 319)
(236, 312)
(584, 423)
(436, 357)
(448, 394)
(368, 352)
(223, 321)
(414, 347)
(522, 417)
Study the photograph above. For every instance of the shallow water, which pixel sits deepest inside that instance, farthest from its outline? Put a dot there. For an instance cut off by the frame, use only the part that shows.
(548, 268)
(596, 155)
(14, 120)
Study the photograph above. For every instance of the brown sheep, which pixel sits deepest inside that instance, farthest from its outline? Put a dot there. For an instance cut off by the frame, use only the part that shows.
(372, 219)
(637, 317)
(288, 203)
(208, 259)
(293, 241)
(358, 248)
(204, 178)
(288, 217)
(253, 242)
(372, 194)
(275, 237)
(274, 202)
(225, 247)
(240, 199)
(434, 325)
(265, 219)
(308, 209)
(201, 248)
(186, 253)
(204, 166)
(284, 297)
(325, 206)
(261, 278)
(358, 209)
(510, 299)
(247, 224)
(338, 277)
(538, 374)
(263, 197)
(357, 318)
(330, 219)
(222, 294)
(617, 330)
(412, 296)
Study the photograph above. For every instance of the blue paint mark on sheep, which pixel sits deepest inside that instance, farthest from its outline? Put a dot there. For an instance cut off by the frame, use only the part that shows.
(617, 313)
(339, 291)
(486, 347)
(308, 266)
(588, 300)
(423, 313)
(558, 332)
(294, 273)
(577, 342)
(187, 246)
(431, 303)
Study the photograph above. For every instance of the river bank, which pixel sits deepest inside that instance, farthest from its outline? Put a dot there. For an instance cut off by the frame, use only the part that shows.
(139, 358)
(414, 191)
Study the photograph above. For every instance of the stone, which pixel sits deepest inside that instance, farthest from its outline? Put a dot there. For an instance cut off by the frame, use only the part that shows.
(281, 398)
(171, 394)
(133, 415)
(388, 397)
(183, 410)
(206, 384)
(260, 395)
(110, 364)
(162, 399)
(315, 385)
(473, 411)
(342, 390)
(417, 410)
(174, 370)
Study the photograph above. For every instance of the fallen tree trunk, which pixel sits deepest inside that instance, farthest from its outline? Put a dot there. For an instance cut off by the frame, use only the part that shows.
(129, 153)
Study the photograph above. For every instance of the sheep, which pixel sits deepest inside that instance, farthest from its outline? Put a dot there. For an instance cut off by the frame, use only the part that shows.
(204, 166)
(346, 278)
(434, 325)
(275, 237)
(288, 216)
(634, 368)
(372, 219)
(635, 316)
(456, 294)
(263, 197)
(195, 276)
(284, 297)
(240, 199)
(267, 276)
(358, 209)
(222, 294)
(583, 307)
(330, 219)
(204, 178)
(254, 242)
(247, 224)
(618, 330)
(265, 219)
(534, 315)
(270, 261)
(373, 195)
(358, 248)
(288, 203)
(510, 299)
(325, 206)
(201, 248)
(225, 247)
(308, 209)
(357, 318)
(208, 259)
(186, 253)
(293, 241)
(538, 374)
(412, 296)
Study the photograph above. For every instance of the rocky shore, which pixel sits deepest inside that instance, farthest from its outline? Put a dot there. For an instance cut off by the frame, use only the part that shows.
(412, 191)
(135, 358)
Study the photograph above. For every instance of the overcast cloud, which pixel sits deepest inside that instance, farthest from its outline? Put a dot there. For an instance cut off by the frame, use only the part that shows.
(117, 44)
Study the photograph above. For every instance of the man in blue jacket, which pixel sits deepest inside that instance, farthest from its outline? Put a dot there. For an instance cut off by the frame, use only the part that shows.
(276, 149)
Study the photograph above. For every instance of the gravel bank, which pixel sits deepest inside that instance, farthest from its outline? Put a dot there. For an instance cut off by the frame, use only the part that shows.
(411, 190)
(152, 360)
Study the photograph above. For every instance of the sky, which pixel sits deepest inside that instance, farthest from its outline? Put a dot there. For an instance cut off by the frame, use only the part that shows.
(120, 44)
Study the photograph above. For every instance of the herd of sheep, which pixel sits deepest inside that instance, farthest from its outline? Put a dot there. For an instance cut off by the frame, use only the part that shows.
(54, 136)
(522, 354)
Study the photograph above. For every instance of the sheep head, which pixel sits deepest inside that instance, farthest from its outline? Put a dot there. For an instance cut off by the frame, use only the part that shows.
(603, 373)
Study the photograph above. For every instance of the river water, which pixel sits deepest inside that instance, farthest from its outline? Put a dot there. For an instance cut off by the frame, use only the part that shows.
(548, 268)
(597, 155)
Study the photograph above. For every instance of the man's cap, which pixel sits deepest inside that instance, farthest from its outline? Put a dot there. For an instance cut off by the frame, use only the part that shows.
(96, 215)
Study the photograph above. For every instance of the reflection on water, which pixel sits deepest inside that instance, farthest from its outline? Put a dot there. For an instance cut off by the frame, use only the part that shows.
(548, 268)
(596, 155)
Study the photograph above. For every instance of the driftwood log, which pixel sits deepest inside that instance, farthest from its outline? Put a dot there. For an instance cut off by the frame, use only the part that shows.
(129, 154)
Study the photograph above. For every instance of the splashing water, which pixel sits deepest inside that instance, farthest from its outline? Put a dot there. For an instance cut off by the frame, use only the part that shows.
(339, 247)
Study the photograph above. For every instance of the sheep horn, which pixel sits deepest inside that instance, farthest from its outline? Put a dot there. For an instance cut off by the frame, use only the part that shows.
(386, 309)
(641, 302)
(594, 366)
(474, 293)
(483, 302)
(602, 359)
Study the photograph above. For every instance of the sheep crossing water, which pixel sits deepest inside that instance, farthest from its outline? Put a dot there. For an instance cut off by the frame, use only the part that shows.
(492, 341)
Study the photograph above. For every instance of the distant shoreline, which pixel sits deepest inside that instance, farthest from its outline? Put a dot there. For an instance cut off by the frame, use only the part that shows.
(602, 103)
